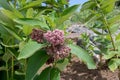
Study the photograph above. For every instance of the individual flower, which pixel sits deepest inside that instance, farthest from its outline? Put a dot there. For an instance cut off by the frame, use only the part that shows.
(37, 35)
(55, 37)
(58, 52)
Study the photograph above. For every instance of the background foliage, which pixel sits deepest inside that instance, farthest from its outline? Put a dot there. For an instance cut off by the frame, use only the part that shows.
(21, 58)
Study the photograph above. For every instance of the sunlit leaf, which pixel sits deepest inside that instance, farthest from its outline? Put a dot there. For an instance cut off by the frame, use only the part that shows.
(83, 55)
(29, 49)
(32, 22)
(114, 64)
(33, 4)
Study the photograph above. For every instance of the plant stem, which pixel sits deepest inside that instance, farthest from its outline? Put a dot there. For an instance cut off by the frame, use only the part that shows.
(12, 72)
(6, 63)
(25, 66)
(15, 3)
(7, 71)
(107, 25)
(12, 46)
(109, 33)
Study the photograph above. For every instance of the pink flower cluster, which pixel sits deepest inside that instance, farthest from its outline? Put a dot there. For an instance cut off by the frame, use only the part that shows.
(58, 52)
(57, 49)
(55, 37)
(37, 35)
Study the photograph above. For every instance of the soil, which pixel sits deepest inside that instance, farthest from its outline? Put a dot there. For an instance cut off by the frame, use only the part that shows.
(76, 70)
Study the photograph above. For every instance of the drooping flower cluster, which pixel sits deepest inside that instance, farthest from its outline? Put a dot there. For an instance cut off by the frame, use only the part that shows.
(55, 38)
(37, 35)
(58, 52)
(57, 49)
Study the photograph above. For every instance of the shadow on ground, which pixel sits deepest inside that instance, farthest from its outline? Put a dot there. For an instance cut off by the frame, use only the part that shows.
(79, 71)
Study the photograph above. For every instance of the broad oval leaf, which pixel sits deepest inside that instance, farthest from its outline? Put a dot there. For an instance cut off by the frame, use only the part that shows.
(49, 73)
(83, 55)
(35, 62)
(29, 49)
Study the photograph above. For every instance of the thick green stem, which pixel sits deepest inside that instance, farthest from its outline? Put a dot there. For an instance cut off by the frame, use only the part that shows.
(107, 25)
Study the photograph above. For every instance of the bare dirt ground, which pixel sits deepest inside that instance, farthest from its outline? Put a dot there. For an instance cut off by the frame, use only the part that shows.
(76, 70)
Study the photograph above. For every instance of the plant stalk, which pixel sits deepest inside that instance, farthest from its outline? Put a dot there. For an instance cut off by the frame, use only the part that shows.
(109, 33)
(11, 46)
(107, 26)
(7, 73)
(6, 63)
(12, 72)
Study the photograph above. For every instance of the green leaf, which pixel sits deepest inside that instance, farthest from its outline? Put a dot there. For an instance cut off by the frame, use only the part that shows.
(110, 54)
(66, 14)
(88, 5)
(29, 49)
(32, 22)
(49, 74)
(12, 14)
(3, 31)
(34, 64)
(6, 57)
(12, 32)
(113, 64)
(5, 5)
(6, 20)
(29, 13)
(114, 19)
(62, 65)
(117, 37)
(107, 5)
(33, 4)
(83, 55)
(70, 10)
(114, 28)
(50, 21)
(27, 29)
(45, 74)
(54, 74)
